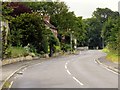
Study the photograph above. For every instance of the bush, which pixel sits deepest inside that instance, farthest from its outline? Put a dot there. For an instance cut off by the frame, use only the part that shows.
(111, 56)
(66, 47)
(16, 52)
(28, 28)
(57, 48)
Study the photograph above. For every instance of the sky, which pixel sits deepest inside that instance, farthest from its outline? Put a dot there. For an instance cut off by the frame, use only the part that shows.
(85, 8)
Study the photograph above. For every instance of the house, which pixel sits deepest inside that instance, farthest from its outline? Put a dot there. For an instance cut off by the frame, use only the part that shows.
(50, 26)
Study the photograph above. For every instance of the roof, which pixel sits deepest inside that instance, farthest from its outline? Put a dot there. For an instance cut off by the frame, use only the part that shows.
(50, 25)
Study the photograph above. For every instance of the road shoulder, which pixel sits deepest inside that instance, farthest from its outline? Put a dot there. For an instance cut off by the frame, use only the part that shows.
(107, 64)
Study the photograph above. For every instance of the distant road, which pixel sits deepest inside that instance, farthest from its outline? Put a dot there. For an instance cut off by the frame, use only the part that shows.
(73, 71)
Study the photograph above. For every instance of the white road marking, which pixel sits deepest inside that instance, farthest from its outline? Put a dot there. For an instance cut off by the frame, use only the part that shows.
(95, 61)
(65, 67)
(105, 66)
(111, 70)
(78, 81)
(66, 63)
(71, 74)
(11, 84)
(68, 72)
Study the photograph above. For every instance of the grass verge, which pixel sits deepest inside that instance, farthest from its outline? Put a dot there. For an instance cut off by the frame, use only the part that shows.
(111, 56)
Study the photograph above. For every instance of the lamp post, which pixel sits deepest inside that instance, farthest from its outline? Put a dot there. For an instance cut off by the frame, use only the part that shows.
(103, 16)
(103, 42)
(71, 39)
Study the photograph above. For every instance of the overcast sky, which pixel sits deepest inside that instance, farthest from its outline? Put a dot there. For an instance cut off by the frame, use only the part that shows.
(85, 8)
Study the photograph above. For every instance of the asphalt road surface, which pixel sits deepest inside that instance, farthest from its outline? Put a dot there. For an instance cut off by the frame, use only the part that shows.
(73, 71)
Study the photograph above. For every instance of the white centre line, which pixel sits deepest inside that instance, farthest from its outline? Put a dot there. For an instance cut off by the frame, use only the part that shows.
(78, 81)
(71, 74)
(65, 67)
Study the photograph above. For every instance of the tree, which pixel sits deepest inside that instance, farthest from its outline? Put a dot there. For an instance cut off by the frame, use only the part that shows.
(18, 8)
(94, 33)
(110, 33)
(27, 29)
(80, 32)
(5, 11)
(106, 29)
(98, 28)
(103, 14)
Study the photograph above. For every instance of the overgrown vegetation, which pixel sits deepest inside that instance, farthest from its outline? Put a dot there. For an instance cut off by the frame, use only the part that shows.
(111, 56)
(16, 52)
(103, 32)
(27, 28)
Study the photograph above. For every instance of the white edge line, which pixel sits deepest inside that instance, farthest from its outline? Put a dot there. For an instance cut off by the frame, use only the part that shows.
(1, 86)
(78, 81)
(11, 76)
(111, 71)
(105, 66)
(11, 84)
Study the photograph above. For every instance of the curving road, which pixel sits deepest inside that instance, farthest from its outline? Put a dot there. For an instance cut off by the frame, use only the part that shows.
(73, 71)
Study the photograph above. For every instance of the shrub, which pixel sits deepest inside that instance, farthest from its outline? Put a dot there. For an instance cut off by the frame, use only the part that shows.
(66, 47)
(16, 52)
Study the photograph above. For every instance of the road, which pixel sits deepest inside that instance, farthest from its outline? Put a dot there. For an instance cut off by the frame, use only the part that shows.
(73, 71)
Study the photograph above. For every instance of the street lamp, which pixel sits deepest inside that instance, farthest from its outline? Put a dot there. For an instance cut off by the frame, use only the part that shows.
(71, 39)
(102, 41)
(103, 37)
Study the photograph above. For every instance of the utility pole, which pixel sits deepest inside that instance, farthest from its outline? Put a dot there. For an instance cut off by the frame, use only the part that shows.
(103, 42)
(71, 41)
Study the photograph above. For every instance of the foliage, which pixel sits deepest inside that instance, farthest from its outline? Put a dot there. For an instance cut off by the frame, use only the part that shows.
(80, 32)
(4, 46)
(57, 48)
(5, 11)
(18, 8)
(30, 49)
(111, 56)
(94, 33)
(62, 19)
(27, 28)
(101, 28)
(16, 52)
(66, 47)
(103, 14)
(110, 33)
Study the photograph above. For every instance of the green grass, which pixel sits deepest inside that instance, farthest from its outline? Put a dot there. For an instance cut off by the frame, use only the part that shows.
(6, 85)
(111, 56)
(16, 52)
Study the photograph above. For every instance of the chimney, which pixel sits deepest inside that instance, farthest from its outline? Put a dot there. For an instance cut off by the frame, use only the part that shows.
(47, 18)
